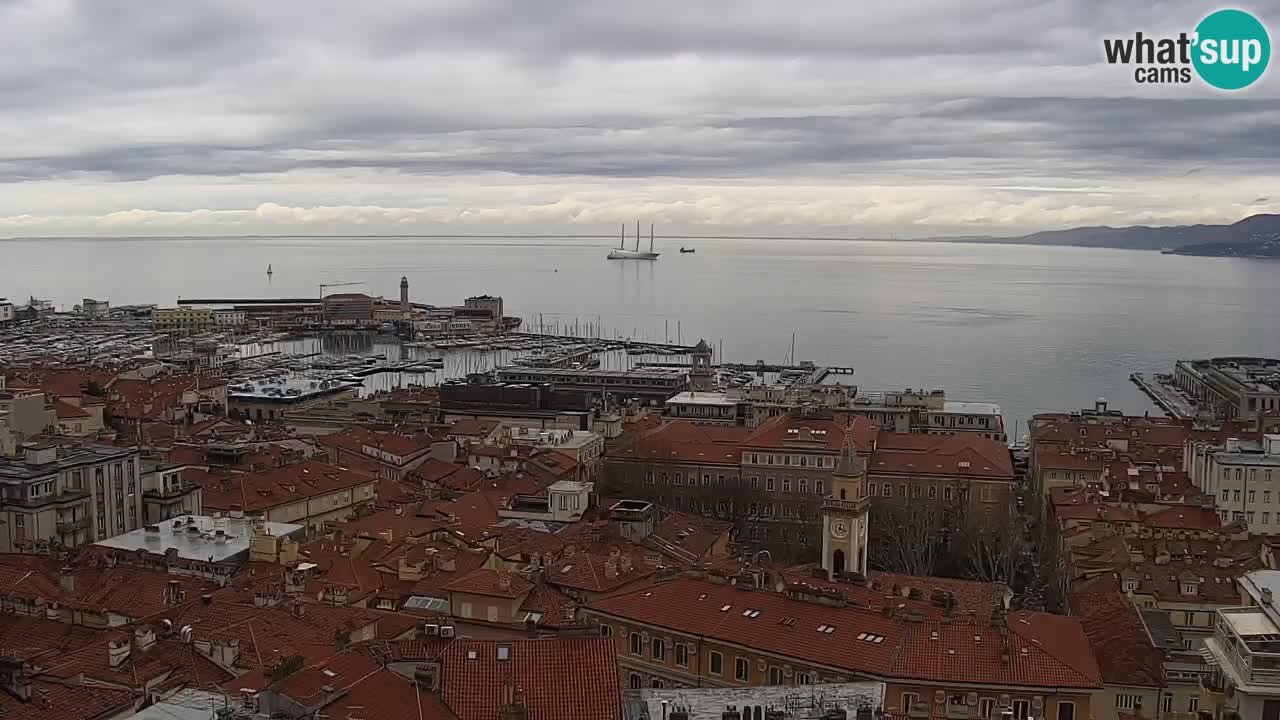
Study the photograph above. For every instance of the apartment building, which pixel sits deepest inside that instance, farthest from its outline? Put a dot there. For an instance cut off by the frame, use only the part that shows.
(164, 493)
(968, 475)
(72, 495)
(1244, 478)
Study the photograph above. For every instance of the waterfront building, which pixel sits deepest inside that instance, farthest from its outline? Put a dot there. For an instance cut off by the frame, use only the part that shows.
(929, 413)
(6, 312)
(706, 407)
(182, 320)
(584, 447)
(965, 477)
(483, 310)
(348, 309)
(1231, 388)
(232, 318)
(652, 383)
(72, 495)
(95, 309)
(271, 398)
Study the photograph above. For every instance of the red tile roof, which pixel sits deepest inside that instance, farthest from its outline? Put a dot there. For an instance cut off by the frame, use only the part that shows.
(490, 582)
(1185, 517)
(1121, 644)
(351, 684)
(687, 538)
(685, 441)
(65, 701)
(273, 486)
(962, 454)
(39, 640)
(1043, 651)
(700, 607)
(827, 434)
(553, 678)
(67, 411)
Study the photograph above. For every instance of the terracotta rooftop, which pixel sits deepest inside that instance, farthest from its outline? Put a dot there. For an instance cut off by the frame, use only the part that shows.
(1124, 651)
(273, 486)
(552, 677)
(492, 583)
(52, 700)
(963, 454)
(817, 433)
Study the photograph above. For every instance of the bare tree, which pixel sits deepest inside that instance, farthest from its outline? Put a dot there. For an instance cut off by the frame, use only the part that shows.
(991, 550)
(905, 538)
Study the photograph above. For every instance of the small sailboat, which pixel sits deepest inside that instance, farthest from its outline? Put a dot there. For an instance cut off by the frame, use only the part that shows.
(688, 250)
(268, 268)
(622, 253)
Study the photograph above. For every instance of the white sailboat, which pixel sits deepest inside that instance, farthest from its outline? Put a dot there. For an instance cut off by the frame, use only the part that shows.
(622, 253)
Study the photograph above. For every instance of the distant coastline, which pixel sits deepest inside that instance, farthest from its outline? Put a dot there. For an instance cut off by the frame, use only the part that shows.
(1249, 237)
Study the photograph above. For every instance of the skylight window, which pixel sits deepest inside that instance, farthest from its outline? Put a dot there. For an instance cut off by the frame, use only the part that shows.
(725, 608)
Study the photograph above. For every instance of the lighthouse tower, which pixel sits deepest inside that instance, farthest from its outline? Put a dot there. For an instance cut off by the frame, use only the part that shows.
(404, 297)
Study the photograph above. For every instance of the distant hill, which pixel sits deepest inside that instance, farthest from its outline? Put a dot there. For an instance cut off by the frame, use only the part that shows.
(1253, 229)
(1268, 248)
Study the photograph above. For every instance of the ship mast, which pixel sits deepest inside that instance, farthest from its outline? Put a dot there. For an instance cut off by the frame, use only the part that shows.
(650, 237)
(637, 236)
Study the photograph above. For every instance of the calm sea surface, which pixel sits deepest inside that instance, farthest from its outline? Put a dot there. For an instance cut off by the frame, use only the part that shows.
(1031, 328)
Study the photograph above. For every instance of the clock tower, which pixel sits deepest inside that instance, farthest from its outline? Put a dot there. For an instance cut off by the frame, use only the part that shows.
(845, 521)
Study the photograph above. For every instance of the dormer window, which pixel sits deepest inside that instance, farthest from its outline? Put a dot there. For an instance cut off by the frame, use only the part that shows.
(1131, 585)
(1190, 588)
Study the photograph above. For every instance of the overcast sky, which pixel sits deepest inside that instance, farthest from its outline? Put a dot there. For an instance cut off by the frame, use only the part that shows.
(909, 117)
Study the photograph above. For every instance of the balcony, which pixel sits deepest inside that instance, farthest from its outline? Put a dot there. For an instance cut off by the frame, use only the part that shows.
(1246, 647)
(68, 495)
(849, 506)
(175, 491)
(66, 527)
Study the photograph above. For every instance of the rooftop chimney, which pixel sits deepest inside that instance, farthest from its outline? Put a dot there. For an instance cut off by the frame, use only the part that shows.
(67, 579)
(117, 653)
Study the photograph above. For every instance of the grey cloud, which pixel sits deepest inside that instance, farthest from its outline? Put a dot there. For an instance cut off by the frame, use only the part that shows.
(995, 92)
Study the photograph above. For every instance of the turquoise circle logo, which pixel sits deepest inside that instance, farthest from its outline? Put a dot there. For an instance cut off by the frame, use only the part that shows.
(1232, 49)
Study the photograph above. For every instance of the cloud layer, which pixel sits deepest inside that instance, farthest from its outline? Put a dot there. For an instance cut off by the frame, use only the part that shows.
(231, 116)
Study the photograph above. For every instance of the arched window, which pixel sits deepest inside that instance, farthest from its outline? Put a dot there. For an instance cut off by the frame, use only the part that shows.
(837, 561)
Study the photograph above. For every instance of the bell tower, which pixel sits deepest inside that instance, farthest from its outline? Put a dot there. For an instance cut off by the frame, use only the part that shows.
(845, 513)
(702, 377)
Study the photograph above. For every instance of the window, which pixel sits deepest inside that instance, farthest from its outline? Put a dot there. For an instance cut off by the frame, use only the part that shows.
(873, 489)
(1249, 517)
(817, 487)
(742, 670)
(915, 491)
(804, 485)
(909, 700)
(888, 490)
(1253, 496)
(933, 492)
(465, 610)
(605, 631)
(775, 676)
(634, 681)
(637, 644)
(682, 655)
(656, 683)
(755, 482)
(658, 649)
(768, 484)
(1021, 709)
(717, 663)
(1193, 703)
(803, 678)
(706, 481)
(1066, 710)
(1266, 518)
(1236, 494)
(902, 490)
(985, 706)
(1128, 702)
(786, 484)
(1131, 585)
(1166, 703)
(1266, 496)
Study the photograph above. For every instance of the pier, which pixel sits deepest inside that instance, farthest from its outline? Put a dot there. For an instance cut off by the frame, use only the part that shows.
(1166, 398)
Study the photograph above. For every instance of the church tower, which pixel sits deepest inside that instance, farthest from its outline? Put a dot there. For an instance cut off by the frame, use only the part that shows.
(702, 377)
(845, 517)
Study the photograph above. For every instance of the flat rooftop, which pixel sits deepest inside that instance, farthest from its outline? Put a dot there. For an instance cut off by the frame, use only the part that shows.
(195, 537)
(717, 399)
(970, 408)
(285, 388)
(17, 470)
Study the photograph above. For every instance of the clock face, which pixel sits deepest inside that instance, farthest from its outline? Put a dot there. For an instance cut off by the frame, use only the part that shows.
(840, 528)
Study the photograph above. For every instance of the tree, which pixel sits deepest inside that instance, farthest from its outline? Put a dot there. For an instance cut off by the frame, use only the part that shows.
(95, 390)
(905, 538)
(993, 550)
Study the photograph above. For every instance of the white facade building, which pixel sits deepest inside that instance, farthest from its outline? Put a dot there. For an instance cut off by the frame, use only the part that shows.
(1244, 477)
